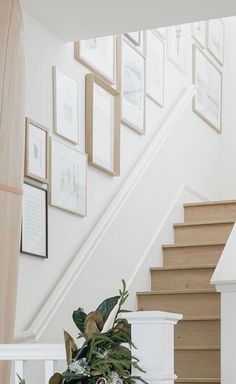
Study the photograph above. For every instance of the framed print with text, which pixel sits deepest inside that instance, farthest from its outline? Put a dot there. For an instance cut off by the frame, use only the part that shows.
(36, 151)
(34, 237)
(215, 39)
(99, 55)
(66, 106)
(199, 32)
(155, 56)
(178, 45)
(207, 78)
(102, 125)
(68, 187)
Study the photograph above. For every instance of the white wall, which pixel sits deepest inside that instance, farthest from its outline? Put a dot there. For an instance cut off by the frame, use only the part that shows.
(192, 155)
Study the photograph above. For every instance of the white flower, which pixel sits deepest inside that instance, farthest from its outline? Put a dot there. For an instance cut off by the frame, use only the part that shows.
(102, 353)
(79, 366)
(115, 379)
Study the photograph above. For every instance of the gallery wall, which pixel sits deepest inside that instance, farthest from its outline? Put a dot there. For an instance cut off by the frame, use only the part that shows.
(192, 155)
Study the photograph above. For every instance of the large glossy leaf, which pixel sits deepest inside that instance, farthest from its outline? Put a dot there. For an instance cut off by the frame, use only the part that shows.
(79, 317)
(107, 306)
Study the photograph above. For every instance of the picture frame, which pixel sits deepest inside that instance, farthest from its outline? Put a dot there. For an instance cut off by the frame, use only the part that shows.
(139, 47)
(207, 78)
(134, 37)
(102, 138)
(155, 67)
(178, 46)
(34, 233)
(215, 39)
(162, 31)
(99, 56)
(132, 86)
(66, 106)
(199, 33)
(68, 173)
(36, 151)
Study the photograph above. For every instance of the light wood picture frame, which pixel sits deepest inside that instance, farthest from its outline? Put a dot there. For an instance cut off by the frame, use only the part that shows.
(99, 56)
(66, 106)
(34, 232)
(199, 33)
(68, 175)
(155, 67)
(207, 78)
(36, 151)
(102, 138)
(215, 39)
(132, 86)
(162, 32)
(178, 43)
(134, 37)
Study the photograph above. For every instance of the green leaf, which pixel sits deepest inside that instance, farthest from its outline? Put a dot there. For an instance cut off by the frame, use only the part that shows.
(79, 317)
(21, 380)
(107, 306)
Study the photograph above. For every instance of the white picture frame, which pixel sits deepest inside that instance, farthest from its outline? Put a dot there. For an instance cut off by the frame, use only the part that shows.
(68, 187)
(34, 234)
(178, 46)
(215, 39)
(207, 78)
(66, 106)
(132, 85)
(155, 64)
(199, 33)
(98, 55)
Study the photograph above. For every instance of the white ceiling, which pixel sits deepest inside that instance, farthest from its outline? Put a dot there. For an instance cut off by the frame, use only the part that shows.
(79, 19)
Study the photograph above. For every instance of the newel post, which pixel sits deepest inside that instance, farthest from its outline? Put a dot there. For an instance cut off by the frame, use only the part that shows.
(152, 333)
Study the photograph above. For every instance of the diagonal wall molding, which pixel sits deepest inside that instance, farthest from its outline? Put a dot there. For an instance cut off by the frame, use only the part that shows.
(64, 285)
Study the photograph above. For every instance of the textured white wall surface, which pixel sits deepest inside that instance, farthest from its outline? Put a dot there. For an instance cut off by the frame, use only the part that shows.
(193, 154)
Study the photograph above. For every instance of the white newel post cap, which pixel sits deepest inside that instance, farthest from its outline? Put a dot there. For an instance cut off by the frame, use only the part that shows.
(152, 333)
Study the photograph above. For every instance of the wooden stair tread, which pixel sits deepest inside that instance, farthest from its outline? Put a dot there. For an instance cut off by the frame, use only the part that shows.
(176, 292)
(198, 380)
(200, 318)
(198, 223)
(206, 203)
(198, 348)
(200, 244)
(179, 268)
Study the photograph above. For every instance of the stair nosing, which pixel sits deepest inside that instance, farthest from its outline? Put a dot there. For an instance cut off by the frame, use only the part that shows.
(203, 244)
(177, 268)
(206, 203)
(198, 348)
(176, 292)
(198, 223)
(201, 318)
(197, 380)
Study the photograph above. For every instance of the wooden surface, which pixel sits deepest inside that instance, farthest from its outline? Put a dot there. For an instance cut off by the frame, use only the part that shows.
(11, 160)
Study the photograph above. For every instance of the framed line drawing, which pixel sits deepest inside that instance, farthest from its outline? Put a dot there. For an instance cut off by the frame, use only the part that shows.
(207, 78)
(102, 125)
(134, 37)
(98, 55)
(155, 58)
(66, 106)
(178, 45)
(36, 151)
(68, 187)
(34, 236)
(199, 32)
(215, 39)
(132, 84)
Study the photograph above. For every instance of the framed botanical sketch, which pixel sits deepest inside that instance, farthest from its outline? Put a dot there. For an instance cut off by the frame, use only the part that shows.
(68, 189)
(102, 125)
(207, 78)
(34, 237)
(155, 56)
(162, 32)
(36, 151)
(177, 45)
(134, 37)
(215, 39)
(199, 32)
(66, 106)
(99, 55)
(132, 84)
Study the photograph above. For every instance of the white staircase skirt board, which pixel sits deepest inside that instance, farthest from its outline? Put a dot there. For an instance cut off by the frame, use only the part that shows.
(63, 287)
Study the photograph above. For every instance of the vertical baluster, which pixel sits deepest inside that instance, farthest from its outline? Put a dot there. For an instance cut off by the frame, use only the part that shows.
(19, 369)
(49, 370)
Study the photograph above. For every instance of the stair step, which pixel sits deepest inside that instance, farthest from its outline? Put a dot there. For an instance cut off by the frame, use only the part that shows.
(189, 303)
(203, 363)
(197, 332)
(197, 381)
(218, 210)
(181, 278)
(188, 254)
(204, 231)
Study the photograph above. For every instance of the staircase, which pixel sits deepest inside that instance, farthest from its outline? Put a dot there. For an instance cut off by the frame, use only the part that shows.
(182, 285)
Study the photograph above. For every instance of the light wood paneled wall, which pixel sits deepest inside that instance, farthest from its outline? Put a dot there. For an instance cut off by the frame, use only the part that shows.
(11, 163)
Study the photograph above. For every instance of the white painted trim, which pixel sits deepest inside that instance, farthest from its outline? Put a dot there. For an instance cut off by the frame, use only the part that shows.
(63, 287)
(28, 352)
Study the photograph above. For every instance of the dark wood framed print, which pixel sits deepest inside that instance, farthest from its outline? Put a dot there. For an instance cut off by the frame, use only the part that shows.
(207, 78)
(102, 125)
(34, 236)
(36, 151)
(98, 55)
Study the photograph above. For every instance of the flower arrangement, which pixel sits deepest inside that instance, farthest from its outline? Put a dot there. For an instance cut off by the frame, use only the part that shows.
(103, 358)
